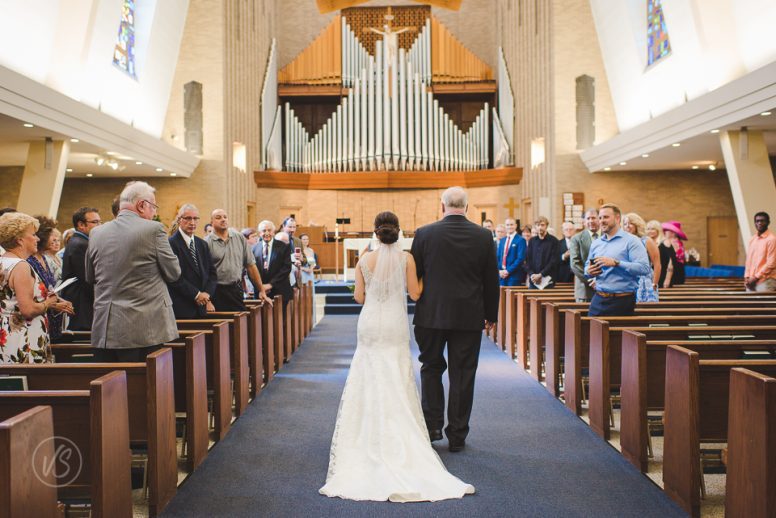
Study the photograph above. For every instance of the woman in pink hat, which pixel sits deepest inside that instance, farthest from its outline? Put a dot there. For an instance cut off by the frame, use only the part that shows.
(674, 235)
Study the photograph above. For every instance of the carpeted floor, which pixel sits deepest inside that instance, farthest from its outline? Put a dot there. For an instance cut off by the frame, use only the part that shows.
(526, 454)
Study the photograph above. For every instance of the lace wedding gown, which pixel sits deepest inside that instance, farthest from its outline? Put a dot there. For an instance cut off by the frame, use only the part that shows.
(380, 449)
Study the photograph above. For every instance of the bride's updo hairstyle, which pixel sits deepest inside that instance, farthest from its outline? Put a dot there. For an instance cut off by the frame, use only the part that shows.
(387, 227)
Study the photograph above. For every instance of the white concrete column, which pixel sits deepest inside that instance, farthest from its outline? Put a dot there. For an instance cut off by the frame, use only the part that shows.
(750, 175)
(44, 175)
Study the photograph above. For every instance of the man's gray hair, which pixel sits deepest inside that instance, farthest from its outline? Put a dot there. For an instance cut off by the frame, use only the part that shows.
(136, 190)
(591, 210)
(185, 207)
(266, 223)
(455, 198)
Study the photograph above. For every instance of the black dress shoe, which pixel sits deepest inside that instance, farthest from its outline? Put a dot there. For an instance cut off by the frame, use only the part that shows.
(435, 435)
(456, 446)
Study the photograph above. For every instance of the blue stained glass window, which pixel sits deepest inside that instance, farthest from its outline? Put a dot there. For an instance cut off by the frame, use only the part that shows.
(124, 51)
(658, 44)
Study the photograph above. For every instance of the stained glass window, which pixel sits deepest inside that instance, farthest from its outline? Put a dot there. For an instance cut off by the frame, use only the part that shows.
(658, 45)
(124, 52)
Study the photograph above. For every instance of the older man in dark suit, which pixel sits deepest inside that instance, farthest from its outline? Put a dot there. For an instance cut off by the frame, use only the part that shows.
(460, 298)
(273, 258)
(192, 293)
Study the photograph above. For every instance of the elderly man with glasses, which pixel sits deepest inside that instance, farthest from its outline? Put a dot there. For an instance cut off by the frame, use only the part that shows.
(193, 292)
(129, 261)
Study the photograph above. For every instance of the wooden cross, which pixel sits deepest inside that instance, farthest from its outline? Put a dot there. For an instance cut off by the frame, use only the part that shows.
(511, 206)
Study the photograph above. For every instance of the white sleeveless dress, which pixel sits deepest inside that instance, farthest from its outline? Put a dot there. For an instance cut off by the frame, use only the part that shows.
(380, 449)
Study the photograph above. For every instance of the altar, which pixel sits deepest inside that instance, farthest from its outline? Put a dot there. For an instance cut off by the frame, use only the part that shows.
(359, 244)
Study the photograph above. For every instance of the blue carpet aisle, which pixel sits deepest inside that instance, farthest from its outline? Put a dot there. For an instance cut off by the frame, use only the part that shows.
(526, 454)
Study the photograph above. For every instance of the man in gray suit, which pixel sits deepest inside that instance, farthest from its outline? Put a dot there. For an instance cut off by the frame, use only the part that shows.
(579, 249)
(129, 261)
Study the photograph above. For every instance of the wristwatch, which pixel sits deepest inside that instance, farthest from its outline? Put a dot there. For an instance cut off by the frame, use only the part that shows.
(616, 262)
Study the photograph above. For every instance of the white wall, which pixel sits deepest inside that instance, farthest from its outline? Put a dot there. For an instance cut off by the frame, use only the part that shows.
(712, 43)
(68, 46)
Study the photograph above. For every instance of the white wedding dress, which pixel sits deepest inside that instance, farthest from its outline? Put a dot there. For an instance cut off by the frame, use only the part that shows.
(380, 449)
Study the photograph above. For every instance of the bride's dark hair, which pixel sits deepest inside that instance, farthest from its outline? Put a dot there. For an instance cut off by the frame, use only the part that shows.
(387, 227)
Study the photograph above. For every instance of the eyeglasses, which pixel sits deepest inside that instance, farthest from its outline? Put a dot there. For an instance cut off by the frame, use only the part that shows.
(189, 218)
(94, 222)
(152, 204)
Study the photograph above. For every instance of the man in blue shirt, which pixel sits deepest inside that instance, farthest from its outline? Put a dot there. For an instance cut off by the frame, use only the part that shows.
(616, 261)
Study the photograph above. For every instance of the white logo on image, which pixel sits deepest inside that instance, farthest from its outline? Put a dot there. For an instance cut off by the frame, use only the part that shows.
(66, 453)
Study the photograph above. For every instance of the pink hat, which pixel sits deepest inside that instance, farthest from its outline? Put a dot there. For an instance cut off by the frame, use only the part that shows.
(676, 228)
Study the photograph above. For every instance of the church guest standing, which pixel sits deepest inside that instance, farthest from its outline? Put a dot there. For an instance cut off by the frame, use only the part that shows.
(616, 261)
(80, 293)
(129, 261)
(274, 258)
(564, 246)
(24, 299)
(674, 235)
(760, 274)
(193, 292)
(648, 284)
(579, 250)
(542, 256)
(41, 263)
(231, 255)
(511, 254)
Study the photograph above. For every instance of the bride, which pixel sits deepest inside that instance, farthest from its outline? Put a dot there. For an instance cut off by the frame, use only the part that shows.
(381, 449)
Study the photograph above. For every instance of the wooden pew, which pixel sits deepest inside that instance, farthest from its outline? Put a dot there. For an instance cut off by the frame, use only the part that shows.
(240, 355)
(27, 488)
(554, 328)
(751, 453)
(696, 411)
(189, 387)
(643, 382)
(606, 352)
(218, 373)
(151, 409)
(93, 425)
(279, 332)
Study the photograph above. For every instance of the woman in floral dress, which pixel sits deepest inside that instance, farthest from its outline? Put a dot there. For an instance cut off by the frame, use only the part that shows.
(24, 299)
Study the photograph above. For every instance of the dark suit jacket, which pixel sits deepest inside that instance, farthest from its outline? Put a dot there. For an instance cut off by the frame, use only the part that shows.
(542, 257)
(456, 260)
(564, 267)
(80, 293)
(515, 257)
(279, 268)
(192, 280)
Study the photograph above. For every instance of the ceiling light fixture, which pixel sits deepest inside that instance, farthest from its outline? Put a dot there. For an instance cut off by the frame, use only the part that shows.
(676, 144)
(607, 168)
(173, 174)
(74, 140)
(28, 125)
(645, 155)
(623, 163)
(89, 175)
(696, 167)
(138, 163)
(99, 160)
(159, 169)
(765, 114)
(712, 167)
(714, 131)
(69, 169)
(111, 153)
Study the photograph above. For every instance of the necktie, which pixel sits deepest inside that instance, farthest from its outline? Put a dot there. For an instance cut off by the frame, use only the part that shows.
(193, 252)
(266, 255)
(595, 236)
(506, 251)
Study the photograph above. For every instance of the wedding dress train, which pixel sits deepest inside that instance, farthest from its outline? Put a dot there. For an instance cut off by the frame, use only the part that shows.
(380, 449)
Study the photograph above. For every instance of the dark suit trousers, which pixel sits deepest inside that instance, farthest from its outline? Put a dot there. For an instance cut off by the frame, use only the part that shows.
(463, 353)
(229, 297)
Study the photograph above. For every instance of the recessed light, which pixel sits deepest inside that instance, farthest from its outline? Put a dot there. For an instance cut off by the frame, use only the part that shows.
(74, 140)
(173, 174)
(89, 175)
(28, 125)
(676, 144)
(696, 167)
(138, 163)
(159, 169)
(111, 153)
(623, 163)
(607, 168)
(712, 167)
(69, 169)
(765, 114)
(645, 155)
(714, 131)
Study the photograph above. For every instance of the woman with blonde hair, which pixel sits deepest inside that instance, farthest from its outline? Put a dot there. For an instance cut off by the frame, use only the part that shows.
(648, 284)
(24, 299)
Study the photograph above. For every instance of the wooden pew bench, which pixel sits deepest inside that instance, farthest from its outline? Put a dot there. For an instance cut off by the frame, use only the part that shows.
(696, 412)
(91, 432)
(27, 488)
(751, 452)
(643, 382)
